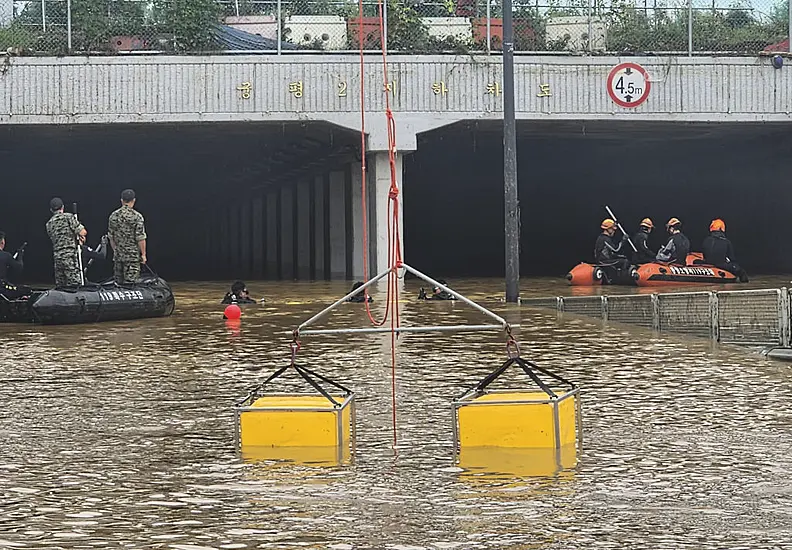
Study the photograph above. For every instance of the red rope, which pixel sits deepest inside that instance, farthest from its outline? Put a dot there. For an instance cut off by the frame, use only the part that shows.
(394, 237)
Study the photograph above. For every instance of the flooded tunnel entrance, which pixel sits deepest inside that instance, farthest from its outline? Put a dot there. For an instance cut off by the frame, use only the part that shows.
(183, 175)
(569, 170)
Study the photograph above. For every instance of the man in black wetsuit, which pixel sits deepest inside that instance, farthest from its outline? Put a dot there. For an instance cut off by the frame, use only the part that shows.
(607, 254)
(437, 293)
(360, 297)
(644, 254)
(718, 250)
(678, 246)
(238, 295)
(8, 264)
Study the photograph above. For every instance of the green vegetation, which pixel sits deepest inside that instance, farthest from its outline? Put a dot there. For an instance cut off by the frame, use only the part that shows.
(185, 26)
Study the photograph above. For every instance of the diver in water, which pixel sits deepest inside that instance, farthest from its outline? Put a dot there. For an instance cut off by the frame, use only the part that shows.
(360, 297)
(437, 293)
(238, 294)
(718, 251)
(678, 246)
(11, 263)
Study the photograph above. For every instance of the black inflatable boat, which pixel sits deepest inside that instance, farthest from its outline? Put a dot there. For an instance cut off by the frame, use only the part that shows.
(149, 297)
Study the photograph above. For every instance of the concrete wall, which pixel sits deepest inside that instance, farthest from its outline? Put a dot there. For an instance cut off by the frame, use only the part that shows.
(173, 88)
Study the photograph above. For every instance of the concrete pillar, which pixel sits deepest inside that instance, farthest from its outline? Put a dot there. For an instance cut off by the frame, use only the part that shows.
(257, 230)
(379, 189)
(271, 223)
(357, 222)
(303, 225)
(245, 239)
(319, 217)
(287, 270)
(336, 212)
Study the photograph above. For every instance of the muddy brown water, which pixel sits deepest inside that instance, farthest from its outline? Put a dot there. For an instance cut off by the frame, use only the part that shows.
(121, 435)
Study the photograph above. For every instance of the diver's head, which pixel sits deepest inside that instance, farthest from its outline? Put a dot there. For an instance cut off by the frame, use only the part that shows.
(608, 227)
(437, 289)
(239, 288)
(2, 240)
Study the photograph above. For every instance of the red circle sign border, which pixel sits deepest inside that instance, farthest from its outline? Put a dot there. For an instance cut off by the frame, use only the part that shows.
(645, 94)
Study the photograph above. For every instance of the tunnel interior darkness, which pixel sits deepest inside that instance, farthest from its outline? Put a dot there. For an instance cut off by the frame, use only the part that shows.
(452, 190)
(179, 172)
(568, 172)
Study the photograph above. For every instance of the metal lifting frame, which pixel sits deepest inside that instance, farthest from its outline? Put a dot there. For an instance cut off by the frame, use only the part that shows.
(502, 324)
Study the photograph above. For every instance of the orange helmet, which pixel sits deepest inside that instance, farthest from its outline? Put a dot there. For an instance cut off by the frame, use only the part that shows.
(608, 223)
(646, 222)
(717, 225)
(672, 222)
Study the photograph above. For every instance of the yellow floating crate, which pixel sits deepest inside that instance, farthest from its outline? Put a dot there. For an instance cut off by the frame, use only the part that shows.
(296, 427)
(517, 419)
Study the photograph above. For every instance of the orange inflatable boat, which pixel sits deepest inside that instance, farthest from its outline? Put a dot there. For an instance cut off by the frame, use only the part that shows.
(585, 274)
(656, 274)
(653, 274)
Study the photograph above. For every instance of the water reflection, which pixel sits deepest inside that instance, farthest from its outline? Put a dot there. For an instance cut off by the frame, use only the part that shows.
(122, 435)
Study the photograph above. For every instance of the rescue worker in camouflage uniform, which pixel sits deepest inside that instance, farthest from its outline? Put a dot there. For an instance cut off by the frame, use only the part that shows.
(128, 240)
(66, 234)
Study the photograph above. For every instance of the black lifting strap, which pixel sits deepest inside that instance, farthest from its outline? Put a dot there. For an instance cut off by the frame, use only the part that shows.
(527, 367)
(307, 375)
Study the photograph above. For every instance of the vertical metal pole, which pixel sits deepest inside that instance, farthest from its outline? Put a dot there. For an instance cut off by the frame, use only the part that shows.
(588, 47)
(279, 16)
(511, 196)
(489, 26)
(68, 26)
(236, 7)
(384, 25)
(690, 28)
(789, 30)
(44, 15)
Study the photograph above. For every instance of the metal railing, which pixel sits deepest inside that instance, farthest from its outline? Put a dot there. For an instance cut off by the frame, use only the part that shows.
(684, 27)
(751, 317)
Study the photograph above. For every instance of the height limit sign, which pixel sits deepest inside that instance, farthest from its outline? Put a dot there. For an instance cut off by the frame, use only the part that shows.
(628, 85)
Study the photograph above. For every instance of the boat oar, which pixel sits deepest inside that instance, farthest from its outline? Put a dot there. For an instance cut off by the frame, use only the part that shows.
(613, 217)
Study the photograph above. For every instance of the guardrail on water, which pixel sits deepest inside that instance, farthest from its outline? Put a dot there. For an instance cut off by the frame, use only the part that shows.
(750, 317)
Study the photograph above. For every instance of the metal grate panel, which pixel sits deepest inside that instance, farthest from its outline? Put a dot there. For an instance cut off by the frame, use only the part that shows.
(688, 313)
(750, 316)
(590, 306)
(635, 310)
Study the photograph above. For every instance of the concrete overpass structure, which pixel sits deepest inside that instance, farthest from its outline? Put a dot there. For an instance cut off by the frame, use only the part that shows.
(299, 214)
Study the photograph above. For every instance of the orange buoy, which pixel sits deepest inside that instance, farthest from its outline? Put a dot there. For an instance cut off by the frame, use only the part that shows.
(232, 312)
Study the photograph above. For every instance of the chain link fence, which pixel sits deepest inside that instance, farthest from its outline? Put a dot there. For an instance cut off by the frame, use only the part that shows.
(624, 27)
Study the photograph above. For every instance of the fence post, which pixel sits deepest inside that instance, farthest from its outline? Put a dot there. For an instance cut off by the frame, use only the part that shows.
(279, 17)
(604, 308)
(784, 328)
(789, 30)
(690, 28)
(44, 15)
(656, 312)
(588, 45)
(489, 27)
(714, 316)
(384, 25)
(68, 26)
